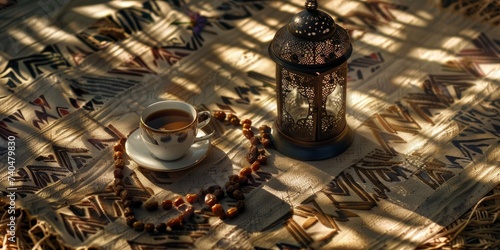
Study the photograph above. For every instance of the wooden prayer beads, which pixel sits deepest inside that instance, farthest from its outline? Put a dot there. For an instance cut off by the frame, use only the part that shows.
(211, 197)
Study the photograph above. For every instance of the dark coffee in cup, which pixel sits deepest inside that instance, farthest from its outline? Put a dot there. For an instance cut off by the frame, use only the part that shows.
(169, 119)
(169, 128)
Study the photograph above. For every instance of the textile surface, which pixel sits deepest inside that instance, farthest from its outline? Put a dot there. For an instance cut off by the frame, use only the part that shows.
(423, 102)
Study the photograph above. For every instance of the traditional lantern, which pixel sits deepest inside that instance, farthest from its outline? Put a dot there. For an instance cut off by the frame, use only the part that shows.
(311, 54)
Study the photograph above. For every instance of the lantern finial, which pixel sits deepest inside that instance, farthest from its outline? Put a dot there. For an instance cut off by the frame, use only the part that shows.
(311, 4)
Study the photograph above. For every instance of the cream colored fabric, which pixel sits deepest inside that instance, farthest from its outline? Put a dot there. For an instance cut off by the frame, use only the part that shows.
(396, 189)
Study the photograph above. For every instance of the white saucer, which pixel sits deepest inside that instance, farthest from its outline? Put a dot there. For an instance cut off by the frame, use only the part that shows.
(137, 150)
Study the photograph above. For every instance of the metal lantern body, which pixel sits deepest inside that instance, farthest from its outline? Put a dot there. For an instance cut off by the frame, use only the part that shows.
(311, 54)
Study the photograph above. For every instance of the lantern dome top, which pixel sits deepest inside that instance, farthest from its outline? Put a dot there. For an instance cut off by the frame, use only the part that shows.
(311, 42)
(312, 23)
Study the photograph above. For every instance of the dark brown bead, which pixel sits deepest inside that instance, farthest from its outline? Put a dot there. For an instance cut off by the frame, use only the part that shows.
(125, 195)
(230, 190)
(130, 221)
(234, 121)
(118, 189)
(249, 135)
(118, 173)
(119, 163)
(149, 227)
(166, 204)
(138, 226)
(265, 129)
(231, 183)
(240, 205)
(247, 125)
(265, 135)
(161, 227)
(202, 192)
(123, 141)
(118, 155)
(175, 223)
(118, 147)
(128, 212)
(237, 194)
(219, 194)
(212, 188)
(233, 178)
(245, 131)
(151, 205)
(118, 181)
(220, 115)
(243, 180)
(266, 143)
(252, 154)
(136, 203)
(246, 121)
(262, 159)
(254, 140)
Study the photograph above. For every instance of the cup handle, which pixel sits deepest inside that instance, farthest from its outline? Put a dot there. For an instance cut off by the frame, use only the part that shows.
(204, 122)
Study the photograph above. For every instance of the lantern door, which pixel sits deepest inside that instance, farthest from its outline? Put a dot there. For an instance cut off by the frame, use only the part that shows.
(297, 112)
(331, 120)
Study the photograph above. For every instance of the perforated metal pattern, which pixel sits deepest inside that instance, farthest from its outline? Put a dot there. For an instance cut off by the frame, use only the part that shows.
(299, 108)
(312, 24)
(332, 111)
(292, 49)
(311, 54)
(297, 104)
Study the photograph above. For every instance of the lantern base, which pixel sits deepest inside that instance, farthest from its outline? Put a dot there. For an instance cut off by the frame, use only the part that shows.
(308, 151)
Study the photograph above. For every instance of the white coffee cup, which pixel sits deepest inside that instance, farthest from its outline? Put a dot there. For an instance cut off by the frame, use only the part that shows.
(169, 128)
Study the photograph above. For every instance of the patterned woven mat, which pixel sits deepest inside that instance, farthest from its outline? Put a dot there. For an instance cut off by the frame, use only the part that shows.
(423, 102)
(478, 228)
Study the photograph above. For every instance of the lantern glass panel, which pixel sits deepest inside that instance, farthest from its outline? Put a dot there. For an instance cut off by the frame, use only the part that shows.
(333, 103)
(298, 114)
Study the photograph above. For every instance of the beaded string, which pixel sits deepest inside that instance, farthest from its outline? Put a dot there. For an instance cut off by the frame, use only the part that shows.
(212, 196)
